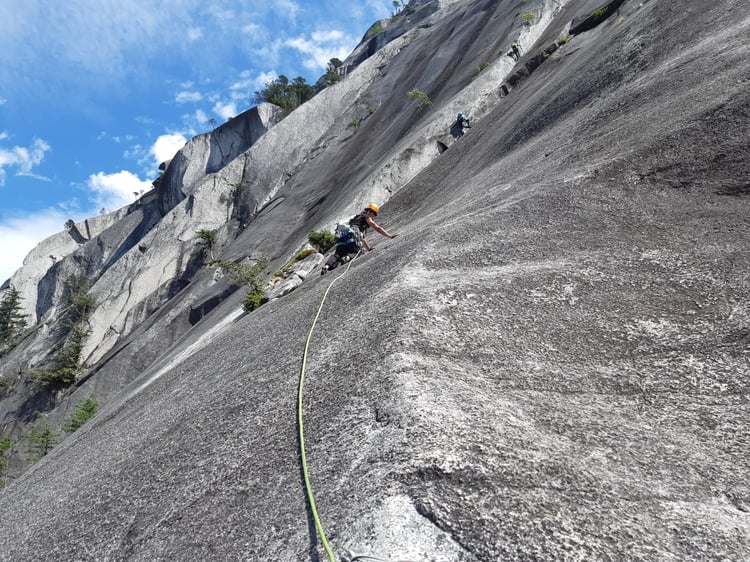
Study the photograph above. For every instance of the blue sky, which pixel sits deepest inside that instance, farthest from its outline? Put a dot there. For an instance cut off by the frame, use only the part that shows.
(94, 94)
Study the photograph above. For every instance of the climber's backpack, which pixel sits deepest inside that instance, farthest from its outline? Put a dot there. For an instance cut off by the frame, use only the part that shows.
(343, 233)
(348, 239)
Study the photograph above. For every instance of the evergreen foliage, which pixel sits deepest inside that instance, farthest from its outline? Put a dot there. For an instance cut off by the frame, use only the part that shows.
(12, 322)
(253, 298)
(67, 363)
(6, 385)
(244, 274)
(7, 446)
(78, 306)
(285, 94)
(374, 30)
(322, 240)
(42, 438)
(422, 99)
(78, 303)
(83, 412)
(332, 72)
(208, 239)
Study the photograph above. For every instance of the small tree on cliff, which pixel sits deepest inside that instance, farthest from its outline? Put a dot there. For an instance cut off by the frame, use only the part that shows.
(78, 305)
(41, 439)
(12, 321)
(208, 239)
(285, 94)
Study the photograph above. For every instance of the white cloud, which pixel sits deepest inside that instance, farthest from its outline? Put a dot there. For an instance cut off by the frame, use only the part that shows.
(289, 8)
(112, 191)
(3, 101)
(166, 146)
(327, 36)
(19, 235)
(225, 110)
(322, 47)
(22, 159)
(263, 79)
(252, 29)
(188, 97)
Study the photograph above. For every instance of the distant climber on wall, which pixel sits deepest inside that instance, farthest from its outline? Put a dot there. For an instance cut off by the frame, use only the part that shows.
(350, 239)
(460, 124)
(515, 51)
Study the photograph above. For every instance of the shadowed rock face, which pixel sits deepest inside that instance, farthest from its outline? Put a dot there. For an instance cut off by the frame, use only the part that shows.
(549, 363)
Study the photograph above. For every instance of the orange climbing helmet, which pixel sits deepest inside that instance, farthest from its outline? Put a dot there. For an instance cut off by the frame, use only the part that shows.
(373, 207)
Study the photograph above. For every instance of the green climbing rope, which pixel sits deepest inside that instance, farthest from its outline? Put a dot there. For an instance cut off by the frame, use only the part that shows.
(308, 486)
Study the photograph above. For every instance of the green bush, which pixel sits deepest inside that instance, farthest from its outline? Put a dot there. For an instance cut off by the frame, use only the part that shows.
(600, 13)
(356, 122)
(321, 239)
(563, 40)
(420, 97)
(527, 16)
(374, 30)
(83, 412)
(241, 273)
(253, 298)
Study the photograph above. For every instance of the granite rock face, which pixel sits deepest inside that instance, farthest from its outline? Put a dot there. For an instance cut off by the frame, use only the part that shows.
(208, 153)
(550, 362)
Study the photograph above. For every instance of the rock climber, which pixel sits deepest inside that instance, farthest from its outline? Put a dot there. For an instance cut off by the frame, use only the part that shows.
(350, 240)
(515, 51)
(462, 122)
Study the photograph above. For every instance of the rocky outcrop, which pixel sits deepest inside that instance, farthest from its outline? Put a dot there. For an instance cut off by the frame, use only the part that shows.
(384, 31)
(210, 152)
(39, 262)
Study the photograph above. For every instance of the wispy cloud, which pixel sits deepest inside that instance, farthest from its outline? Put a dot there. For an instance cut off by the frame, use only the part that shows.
(103, 44)
(20, 234)
(194, 33)
(226, 110)
(22, 159)
(289, 8)
(188, 97)
(322, 46)
(191, 60)
(112, 191)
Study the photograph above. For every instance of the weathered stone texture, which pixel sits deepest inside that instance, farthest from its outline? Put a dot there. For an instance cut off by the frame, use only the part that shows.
(550, 362)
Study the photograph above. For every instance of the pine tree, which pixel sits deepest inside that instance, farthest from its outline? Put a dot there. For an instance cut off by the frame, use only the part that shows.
(7, 447)
(285, 94)
(84, 410)
(12, 322)
(42, 438)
